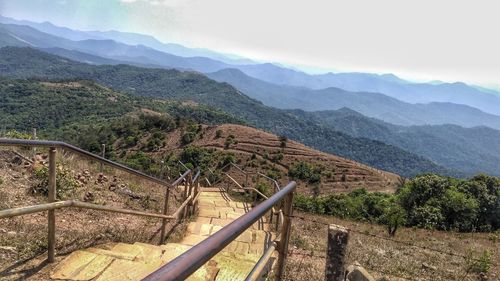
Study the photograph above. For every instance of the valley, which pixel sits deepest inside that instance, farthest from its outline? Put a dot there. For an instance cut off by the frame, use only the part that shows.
(179, 160)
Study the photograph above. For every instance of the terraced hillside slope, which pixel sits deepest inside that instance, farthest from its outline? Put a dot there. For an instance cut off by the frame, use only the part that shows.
(256, 150)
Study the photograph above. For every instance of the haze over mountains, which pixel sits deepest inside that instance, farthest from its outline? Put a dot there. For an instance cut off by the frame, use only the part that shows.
(374, 105)
(366, 117)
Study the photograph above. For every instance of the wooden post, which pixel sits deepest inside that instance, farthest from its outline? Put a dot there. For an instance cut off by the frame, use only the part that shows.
(51, 213)
(165, 212)
(189, 191)
(285, 235)
(335, 268)
(103, 151)
(196, 190)
(34, 147)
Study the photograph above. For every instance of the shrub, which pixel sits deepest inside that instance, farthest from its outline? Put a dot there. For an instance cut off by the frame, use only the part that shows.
(283, 141)
(218, 134)
(263, 187)
(394, 216)
(65, 182)
(188, 137)
(231, 139)
(305, 171)
(482, 264)
(13, 134)
(140, 161)
(277, 157)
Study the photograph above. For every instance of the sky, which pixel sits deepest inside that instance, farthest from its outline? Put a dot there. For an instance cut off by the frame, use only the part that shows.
(421, 40)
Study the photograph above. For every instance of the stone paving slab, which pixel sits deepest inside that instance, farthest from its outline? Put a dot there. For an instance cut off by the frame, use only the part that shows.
(126, 262)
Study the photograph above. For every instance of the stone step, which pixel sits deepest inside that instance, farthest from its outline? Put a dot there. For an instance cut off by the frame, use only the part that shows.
(122, 261)
(81, 265)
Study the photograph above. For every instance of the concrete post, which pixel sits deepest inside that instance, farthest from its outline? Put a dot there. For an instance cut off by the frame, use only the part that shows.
(338, 237)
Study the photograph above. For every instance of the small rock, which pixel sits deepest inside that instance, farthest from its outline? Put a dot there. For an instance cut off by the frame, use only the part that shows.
(9, 249)
(428, 266)
(17, 160)
(11, 233)
(358, 273)
(88, 197)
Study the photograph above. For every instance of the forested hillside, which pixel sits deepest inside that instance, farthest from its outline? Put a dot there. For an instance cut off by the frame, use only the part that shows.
(472, 150)
(189, 86)
(55, 106)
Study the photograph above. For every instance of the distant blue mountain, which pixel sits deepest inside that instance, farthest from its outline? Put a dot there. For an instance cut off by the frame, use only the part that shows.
(139, 51)
(128, 38)
(459, 93)
(374, 105)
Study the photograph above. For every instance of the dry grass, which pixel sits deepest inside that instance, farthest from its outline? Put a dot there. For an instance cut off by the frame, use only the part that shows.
(383, 257)
(23, 240)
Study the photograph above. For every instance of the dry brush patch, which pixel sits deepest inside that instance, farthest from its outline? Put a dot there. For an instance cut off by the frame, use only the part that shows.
(23, 239)
(383, 257)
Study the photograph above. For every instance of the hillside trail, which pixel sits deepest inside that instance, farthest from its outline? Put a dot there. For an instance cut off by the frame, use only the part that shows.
(121, 261)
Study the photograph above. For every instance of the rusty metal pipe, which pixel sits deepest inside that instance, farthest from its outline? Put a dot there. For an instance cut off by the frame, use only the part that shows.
(184, 265)
(84, 205)
(181, 208)
(14, 212)
(260, 266)
(81, 152)
(178, 180)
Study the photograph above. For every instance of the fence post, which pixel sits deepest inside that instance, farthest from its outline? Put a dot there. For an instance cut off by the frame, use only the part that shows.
(338, 237)
(165, 211)
(103, 151)
(51, 213)
(285, 235)
(34, 147)
(187, 210)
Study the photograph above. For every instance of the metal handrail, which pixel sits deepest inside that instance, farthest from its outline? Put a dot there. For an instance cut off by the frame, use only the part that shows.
(256, 272)
(276, 184)
(14, 212)
(184, 265)
(60, 144)
(52, 205)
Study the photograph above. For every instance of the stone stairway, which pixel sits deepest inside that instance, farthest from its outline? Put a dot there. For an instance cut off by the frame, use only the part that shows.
(120, 261)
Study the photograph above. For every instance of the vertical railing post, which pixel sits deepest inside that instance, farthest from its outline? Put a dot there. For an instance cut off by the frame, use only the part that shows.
(103, 153)
(34, 147)
(189, 186)
(196, 187)
(285, 235)
(338, 238)
(51, 213)
(165, 212)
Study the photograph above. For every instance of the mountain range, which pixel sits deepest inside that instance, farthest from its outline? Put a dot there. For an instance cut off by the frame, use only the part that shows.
(196, 88)
(344, 113)
(373, 105)
(145, 49)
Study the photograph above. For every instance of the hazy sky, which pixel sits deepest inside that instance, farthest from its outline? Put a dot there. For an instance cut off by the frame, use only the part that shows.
(446, 40)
